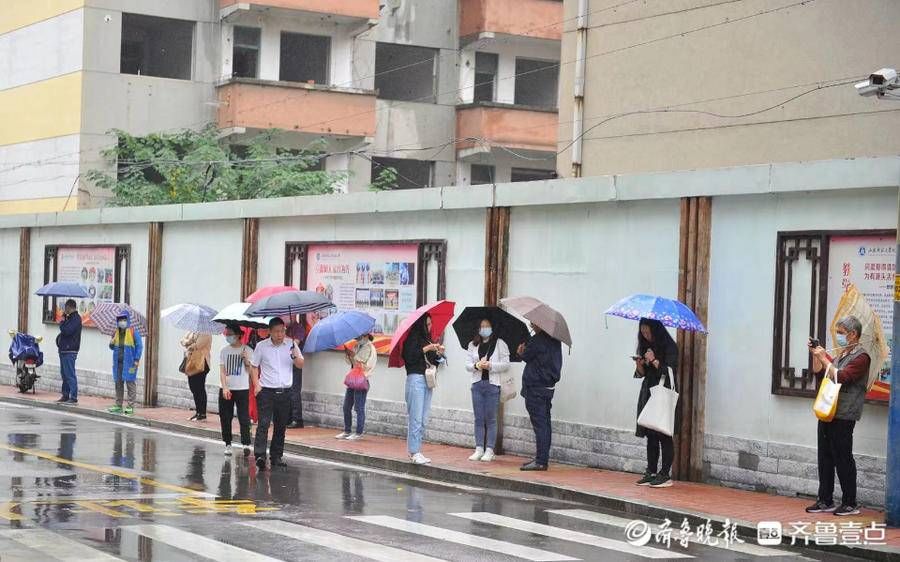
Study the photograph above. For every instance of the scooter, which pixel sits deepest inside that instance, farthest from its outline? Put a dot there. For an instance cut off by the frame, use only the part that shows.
(26, 355)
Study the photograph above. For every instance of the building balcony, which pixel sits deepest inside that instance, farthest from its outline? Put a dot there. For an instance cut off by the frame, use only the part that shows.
(524, 18)
(484, 126)
(310, 109)
(336, 10)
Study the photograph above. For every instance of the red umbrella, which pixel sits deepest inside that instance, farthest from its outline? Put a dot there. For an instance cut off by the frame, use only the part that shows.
(441, 313)
(260, 294)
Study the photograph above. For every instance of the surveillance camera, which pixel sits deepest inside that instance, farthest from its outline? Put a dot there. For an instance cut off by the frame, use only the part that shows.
(107, 18)
(884, 77)
(866, 88)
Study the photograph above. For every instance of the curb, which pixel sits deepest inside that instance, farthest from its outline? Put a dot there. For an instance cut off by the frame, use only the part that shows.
(746, 530)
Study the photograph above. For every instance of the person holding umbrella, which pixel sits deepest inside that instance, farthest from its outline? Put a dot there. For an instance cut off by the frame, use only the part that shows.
(656, 354)
(127, 347)
(362, 358)
(68, 342)
(488, 357)
(196, 366)
(419, 351)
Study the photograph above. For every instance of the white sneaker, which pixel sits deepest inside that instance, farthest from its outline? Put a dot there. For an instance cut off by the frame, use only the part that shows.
(419, 458)
(488, 455)
(476, 456)
(355, 437)
(227, 450)
(342, 435)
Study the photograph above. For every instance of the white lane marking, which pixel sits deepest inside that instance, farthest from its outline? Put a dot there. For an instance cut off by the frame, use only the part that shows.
(56, 546)
(196, 544)
(484, 543)
(621, 522)
(133, 425)
(341, 543)
(568, 535)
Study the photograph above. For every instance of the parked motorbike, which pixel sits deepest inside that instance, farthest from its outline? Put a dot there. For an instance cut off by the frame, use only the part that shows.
(26, 355)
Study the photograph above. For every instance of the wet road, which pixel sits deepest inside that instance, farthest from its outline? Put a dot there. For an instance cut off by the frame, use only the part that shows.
(74, 488)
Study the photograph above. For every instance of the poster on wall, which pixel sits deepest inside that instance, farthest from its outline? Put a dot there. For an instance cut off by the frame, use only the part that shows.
(94, 268)
(378, 279)
(867, 262)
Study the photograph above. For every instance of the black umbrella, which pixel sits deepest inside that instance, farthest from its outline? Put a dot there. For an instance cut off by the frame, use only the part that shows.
(290, 303)
(506, 327)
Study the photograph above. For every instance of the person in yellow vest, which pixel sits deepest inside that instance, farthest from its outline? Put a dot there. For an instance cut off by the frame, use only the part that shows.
(127, 347)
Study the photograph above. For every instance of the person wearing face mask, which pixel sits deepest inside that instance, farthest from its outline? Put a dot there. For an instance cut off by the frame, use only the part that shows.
(234, 374)
(127, 347)
(835, 438)
(487, 357)
(542, 355)
(362, 359)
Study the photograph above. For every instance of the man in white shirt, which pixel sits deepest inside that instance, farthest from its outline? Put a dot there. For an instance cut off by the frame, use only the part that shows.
(272, 373)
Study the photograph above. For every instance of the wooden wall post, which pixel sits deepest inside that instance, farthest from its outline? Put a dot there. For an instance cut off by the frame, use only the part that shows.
(250, 257)
(24, 277)
(693, 290)
(154, 282)
(496, 240)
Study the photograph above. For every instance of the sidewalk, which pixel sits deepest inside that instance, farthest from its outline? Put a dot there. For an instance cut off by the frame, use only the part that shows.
(600, 488)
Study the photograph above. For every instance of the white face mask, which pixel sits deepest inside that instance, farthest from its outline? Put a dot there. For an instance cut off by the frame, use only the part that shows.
(123, 324)
(485, 332)
(231, 339)
(841, 340)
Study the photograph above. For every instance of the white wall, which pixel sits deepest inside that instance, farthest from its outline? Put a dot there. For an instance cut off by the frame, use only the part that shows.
(741, 312)
(43, 50)
(464, 232)
(9, 283)
(602, 254)
(201, 264)
(95, 354)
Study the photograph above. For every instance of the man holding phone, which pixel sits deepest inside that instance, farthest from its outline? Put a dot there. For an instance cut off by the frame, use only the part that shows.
(272, 374)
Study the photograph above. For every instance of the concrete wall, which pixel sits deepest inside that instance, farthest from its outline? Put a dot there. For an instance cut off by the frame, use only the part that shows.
(9, 283)
(756, 61)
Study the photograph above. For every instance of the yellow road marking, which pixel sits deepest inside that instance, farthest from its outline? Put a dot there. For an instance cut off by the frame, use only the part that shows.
(6, 512)
(97, 508)
(140, 507)
(103, 469)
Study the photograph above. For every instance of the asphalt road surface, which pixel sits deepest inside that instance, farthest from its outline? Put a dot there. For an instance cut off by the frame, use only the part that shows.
(74, 488)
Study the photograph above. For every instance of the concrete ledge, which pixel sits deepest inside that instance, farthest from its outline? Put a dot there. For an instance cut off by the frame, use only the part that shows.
(746, 530)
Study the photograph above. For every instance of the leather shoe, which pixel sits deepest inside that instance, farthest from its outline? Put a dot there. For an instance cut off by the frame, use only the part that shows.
(261, 463)
(526, 463)
(532, 466)
(278, 462)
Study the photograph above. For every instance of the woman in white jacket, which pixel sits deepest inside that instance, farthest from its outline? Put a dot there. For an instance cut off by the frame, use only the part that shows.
(488, 357)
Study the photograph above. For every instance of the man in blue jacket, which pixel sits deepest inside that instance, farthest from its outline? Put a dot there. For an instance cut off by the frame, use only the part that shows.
(68, 342)
(542, 355)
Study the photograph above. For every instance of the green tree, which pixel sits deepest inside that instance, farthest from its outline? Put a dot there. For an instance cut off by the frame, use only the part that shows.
(195, 167)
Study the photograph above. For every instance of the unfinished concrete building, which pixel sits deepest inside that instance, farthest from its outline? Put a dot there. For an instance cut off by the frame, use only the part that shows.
(447, 92)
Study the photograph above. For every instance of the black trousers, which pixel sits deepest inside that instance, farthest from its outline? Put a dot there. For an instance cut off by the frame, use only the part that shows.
(274, 408)
(655, 442)
(296, 402)
(241, 399)
(538, 401)
(835, 445)
(197, 384)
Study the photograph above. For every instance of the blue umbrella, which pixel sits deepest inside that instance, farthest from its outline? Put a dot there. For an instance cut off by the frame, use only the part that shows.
(61, 289)
(668, 311)
(338, 329)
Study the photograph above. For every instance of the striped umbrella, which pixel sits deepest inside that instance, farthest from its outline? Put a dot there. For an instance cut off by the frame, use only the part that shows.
(106, 314)
(192, 318)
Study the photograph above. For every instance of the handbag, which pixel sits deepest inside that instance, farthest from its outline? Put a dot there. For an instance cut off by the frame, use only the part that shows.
(507, 387)
(356, 379)
(659, 411)
(183, 366)
(826, 402)
(430, 374)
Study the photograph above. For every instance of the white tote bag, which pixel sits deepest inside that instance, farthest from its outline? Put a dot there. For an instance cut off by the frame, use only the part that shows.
(507, 387)
(659, 411)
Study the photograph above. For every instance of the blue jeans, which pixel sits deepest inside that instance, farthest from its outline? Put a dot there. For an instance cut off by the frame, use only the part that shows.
(418, 404)
(355, 399)
(67, 373)
(538, 401)
(485, 401)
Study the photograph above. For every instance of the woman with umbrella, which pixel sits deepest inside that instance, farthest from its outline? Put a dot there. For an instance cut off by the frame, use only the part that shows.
(488, 356)
(418, 352)
(656, 354)
(362, 359)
